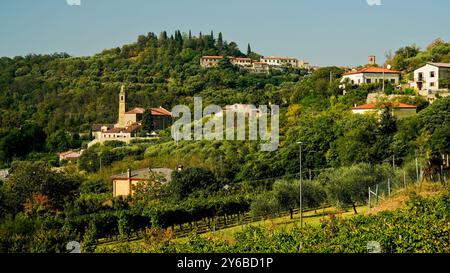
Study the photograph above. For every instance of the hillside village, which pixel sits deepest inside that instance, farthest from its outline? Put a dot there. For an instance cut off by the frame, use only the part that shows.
(89, 145)
(426, 84)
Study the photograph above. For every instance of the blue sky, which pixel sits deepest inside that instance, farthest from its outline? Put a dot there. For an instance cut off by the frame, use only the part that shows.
(324, 32)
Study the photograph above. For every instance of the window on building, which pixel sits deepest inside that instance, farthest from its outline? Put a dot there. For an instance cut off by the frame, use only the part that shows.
(432, 84)
(432, 74)
(368, 81)
(392, 81)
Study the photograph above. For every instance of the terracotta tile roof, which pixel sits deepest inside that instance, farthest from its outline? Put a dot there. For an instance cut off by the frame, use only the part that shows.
(129, 129)
(155, 111)
(70, 155)
(160, 112)
(212, 57)
(397, 105)
(136, 110)
(242, 59)
(66, 153)
(373, 70)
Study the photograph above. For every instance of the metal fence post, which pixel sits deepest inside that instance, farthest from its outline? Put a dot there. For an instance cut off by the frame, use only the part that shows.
(389, 187)
(377, 193)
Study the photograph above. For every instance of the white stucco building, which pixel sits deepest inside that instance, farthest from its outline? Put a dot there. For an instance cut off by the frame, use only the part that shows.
(247, 109)
(427, 78)
(210, 61)
(243, 62)
(284, 61)
(371, 75)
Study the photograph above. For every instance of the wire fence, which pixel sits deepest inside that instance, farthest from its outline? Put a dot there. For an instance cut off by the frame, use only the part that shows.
(402, 179)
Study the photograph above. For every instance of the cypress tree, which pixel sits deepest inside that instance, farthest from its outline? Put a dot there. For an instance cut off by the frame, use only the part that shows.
(147, 122)
(220, 41)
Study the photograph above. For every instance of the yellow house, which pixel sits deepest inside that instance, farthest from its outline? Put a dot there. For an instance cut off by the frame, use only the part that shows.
(399, 110)
(124, 183)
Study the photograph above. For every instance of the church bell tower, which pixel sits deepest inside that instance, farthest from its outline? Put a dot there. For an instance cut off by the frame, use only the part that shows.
(122, 108)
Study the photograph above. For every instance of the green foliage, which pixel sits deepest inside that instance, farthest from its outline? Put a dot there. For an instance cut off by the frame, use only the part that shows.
(29, 178)
(22, 234)
(422, 227)
(444, 82)
(412, 57)
(64, 96)
(285, 196)
(147, 122)
(349, 185)
(59, 141)
(265, 205)
(189, 180)
(89, 161)
(435, 116)
(20, 141)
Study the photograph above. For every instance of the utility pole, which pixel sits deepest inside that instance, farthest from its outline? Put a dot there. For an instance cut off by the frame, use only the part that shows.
(178, 155)
(389, 187)
(384, 76)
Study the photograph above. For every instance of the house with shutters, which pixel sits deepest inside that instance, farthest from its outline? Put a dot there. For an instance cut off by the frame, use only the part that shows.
(428, 78)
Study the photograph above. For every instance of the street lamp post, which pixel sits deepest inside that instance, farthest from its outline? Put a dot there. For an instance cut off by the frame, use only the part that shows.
(301, 182)
(384, 77)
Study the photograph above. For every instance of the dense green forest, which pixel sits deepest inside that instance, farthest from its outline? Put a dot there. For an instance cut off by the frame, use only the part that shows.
(48, 104)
